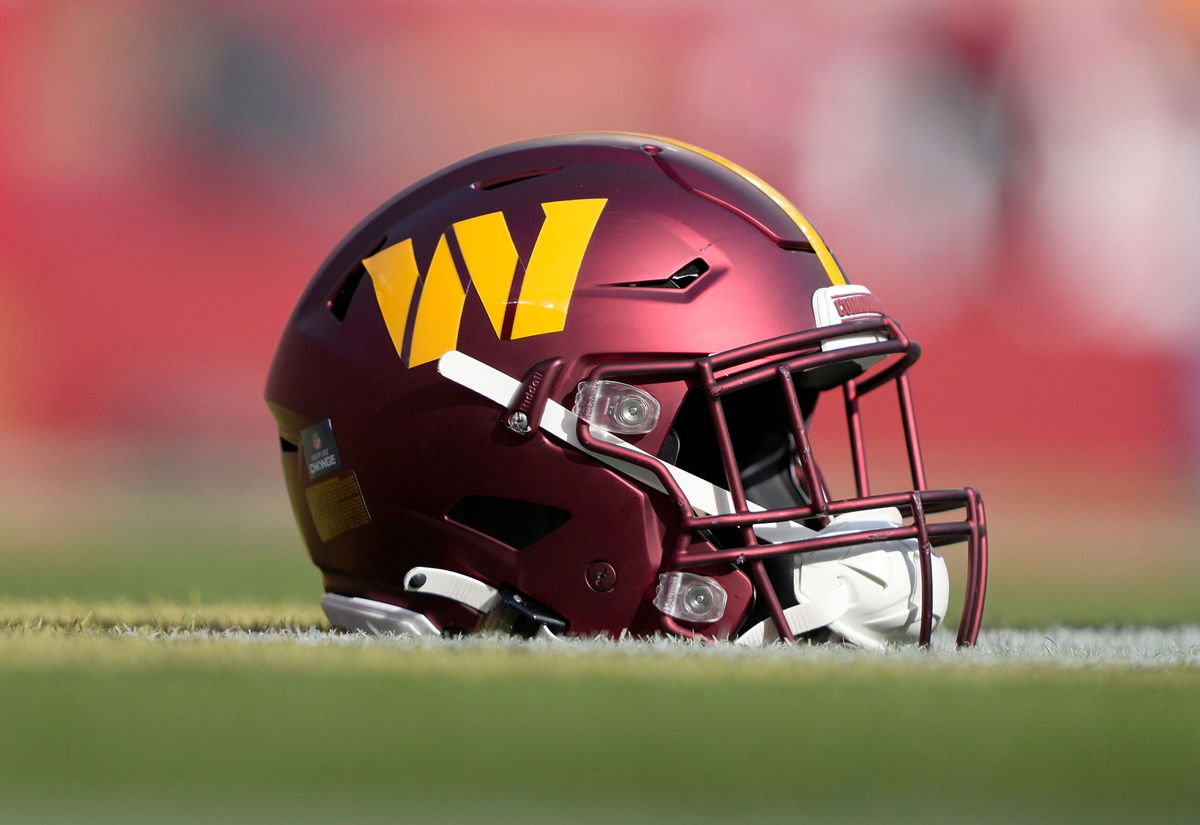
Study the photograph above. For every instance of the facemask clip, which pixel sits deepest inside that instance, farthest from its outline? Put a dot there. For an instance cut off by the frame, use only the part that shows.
(524, 414)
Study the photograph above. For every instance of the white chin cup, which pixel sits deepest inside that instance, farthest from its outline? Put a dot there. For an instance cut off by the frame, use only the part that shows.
(870, 594)
(881, 579)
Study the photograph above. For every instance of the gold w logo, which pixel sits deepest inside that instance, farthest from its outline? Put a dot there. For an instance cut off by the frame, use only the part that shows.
(491, 260)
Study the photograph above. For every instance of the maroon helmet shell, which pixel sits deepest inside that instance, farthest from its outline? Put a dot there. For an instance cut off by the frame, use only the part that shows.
(544, 268)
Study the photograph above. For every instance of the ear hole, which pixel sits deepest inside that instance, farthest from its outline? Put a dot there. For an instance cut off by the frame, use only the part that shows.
(340, 303)
(509, 521)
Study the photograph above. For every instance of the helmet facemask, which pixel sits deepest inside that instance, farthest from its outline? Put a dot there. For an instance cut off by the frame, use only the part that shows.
(743, 428)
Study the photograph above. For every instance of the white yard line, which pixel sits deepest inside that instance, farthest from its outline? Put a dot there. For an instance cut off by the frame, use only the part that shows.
(1138, 647)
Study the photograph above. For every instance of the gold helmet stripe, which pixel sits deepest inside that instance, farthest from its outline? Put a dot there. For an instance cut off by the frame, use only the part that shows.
(810, 233)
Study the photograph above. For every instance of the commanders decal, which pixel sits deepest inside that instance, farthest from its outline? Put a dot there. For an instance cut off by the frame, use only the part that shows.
(491, 260)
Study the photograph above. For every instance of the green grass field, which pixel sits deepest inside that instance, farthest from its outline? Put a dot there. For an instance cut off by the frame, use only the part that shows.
(103, 723)
(101, 728)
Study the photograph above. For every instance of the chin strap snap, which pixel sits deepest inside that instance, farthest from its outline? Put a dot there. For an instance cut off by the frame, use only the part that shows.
(501, 611)
(435, 581)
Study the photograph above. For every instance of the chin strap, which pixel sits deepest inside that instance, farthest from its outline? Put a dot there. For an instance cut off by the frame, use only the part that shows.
(801, 618)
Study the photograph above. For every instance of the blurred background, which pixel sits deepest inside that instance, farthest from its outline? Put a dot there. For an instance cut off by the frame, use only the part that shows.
(1018, 180)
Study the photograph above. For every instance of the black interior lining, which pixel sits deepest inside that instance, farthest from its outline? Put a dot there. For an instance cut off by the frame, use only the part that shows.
(510, 521)
(681, 278)
(339, 304)
(764, 449)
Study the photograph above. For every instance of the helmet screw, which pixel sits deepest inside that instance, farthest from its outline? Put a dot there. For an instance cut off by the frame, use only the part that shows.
(601, 576)
(417, 581)
(518, 422)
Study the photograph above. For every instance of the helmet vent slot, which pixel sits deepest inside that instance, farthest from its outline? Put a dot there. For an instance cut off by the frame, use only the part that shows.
(509, 521)
(514, 177)
(681, 278)
(287, 446)
(339, 304)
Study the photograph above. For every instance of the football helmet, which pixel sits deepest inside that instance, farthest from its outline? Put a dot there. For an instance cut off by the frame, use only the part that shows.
(567, 386)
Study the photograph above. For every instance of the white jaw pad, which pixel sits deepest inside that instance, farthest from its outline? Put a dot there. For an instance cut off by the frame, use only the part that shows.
(882, 580)
(863, 592)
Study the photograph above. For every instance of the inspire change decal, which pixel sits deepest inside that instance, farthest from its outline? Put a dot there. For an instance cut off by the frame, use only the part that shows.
(320, 450)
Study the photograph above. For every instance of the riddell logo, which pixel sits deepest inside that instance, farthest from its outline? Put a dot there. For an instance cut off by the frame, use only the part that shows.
(863, 304)
(491, 260)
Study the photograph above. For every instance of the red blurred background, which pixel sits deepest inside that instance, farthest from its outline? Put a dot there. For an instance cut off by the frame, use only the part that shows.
(1019, 181)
